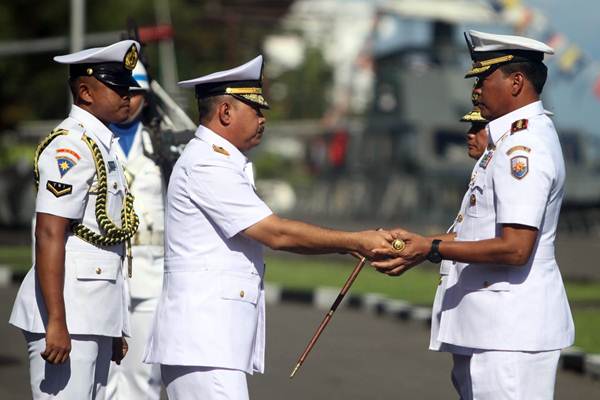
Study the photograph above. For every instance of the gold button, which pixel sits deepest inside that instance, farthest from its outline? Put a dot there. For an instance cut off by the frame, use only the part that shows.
(115, 185)
(242, 293)
(473, 200)
(98, 271)
(459, 218)
(486, 284)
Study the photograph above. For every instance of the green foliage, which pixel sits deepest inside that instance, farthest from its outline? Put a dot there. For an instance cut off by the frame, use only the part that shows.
(587, 326)
(209, 35)
(305, 89)
(18, 258)
(274, 166)
(416, 286)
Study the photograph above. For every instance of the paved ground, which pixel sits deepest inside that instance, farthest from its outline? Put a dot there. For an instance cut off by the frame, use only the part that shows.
(359, 356)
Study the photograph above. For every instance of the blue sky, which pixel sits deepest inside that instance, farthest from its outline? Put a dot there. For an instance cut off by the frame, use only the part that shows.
(579, 20)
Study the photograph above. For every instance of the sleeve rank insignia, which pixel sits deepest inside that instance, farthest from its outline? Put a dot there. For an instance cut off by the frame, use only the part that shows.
(220, 150)
(59, 189)
(518, 126)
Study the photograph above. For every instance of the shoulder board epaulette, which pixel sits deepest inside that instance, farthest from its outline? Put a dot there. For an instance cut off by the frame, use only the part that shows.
(221, 150)
(518, 126)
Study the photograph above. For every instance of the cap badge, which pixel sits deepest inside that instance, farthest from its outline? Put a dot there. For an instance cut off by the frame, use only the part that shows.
(89, 71)
(131, 58)
(519, 166)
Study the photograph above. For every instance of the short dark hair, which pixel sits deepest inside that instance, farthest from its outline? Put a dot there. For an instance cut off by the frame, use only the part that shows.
(206, 107)
(535, 72)
(74, 87)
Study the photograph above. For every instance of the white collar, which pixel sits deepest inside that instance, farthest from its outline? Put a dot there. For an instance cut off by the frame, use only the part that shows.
(500, 126)
(213, 138)
(92, 125)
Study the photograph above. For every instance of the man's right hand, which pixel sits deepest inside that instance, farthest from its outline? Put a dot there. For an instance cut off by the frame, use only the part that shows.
(375, 239)
(58, 343)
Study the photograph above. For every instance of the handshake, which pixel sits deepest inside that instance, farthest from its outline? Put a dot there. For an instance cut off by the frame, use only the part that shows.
(393, 251)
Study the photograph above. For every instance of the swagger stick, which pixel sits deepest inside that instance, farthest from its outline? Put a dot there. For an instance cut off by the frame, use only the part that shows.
(397, 244)
(336, 303)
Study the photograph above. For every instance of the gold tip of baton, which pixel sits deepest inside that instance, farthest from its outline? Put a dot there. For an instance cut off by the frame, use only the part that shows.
(296, 368)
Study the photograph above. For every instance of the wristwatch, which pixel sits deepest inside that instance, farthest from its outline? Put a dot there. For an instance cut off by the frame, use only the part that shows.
(434, 255)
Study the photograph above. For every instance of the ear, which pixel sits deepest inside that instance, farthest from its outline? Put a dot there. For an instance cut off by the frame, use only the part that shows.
(225, 112)
(517, 83)
(85, 92)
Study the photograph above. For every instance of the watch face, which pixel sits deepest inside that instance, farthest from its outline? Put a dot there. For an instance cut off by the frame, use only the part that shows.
(435, 258)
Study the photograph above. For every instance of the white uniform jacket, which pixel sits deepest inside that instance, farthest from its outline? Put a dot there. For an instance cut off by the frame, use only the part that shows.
(94, 291)
(445, 266)
(520, 181)
(211, 310)
(147, 186)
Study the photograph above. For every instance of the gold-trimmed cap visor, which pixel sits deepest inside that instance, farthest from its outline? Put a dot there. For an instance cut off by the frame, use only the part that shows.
(243, 82)
(246, 91)
(490, 50)
(473, 116)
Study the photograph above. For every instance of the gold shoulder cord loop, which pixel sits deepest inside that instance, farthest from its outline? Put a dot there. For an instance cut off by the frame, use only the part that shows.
(38, 151)
(112, 233)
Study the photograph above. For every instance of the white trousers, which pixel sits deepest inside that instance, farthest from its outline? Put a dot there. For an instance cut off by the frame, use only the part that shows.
(82, 377)
(134, 380)
(505, 375)
(203, 383)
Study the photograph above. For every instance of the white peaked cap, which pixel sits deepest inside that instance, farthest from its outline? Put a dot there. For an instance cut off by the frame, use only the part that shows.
(249, 71)
(111, 64)
(243, 82)
(113, 53)
(489, 50)
(482, 41)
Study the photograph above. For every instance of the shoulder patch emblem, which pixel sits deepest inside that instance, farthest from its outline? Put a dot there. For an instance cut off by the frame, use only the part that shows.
(519, 166)
(221, 150)
(66, 159)
(518, 126)
(518, 148)
(59, 189)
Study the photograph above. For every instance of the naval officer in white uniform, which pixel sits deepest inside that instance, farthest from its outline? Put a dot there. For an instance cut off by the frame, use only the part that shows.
(477, 141)
(209, 325)
(133, 379)
(504, 314)
(72, 304)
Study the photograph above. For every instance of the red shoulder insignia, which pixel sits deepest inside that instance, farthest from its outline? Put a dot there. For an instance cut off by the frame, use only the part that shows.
(518, 126)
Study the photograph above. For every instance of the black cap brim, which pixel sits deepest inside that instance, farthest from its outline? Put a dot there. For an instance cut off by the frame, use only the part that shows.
(111, 73)
(117, 80)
